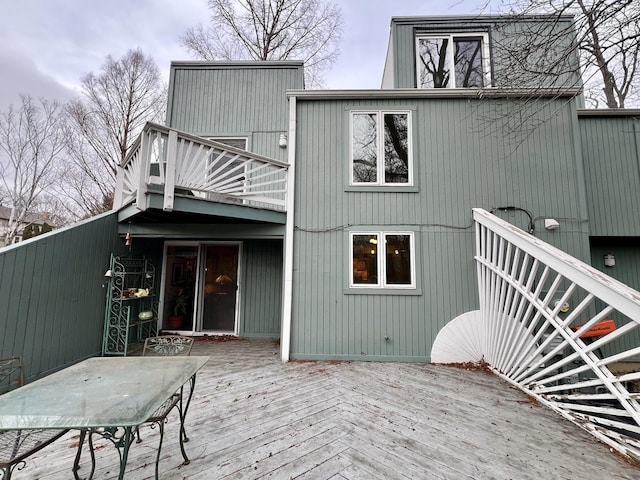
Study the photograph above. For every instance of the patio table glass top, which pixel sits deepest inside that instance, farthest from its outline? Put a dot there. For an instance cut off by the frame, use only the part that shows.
(98, 392)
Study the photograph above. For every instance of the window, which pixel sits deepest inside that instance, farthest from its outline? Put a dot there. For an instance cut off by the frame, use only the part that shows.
(453, 61)
(382, 260)
(224, 172)
(381, 148)
(238, 142)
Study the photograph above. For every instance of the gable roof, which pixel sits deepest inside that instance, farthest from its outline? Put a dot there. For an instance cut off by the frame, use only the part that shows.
(37, 218)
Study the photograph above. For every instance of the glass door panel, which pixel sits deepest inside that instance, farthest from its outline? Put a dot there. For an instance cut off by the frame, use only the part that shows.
(220, 288)
(179, 290)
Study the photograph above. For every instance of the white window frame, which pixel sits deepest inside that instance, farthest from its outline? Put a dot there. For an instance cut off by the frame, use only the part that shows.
(486, 62)
(380, 147)
(382, 261)
(225, 138)
(222, 139)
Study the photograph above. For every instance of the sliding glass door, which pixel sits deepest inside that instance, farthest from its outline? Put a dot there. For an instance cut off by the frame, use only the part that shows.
(201, 287)
(219, 303)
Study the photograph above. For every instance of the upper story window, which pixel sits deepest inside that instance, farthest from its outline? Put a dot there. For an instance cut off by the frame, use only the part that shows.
(459, 60)
(226, 165)
(238, 142)
(381, 148)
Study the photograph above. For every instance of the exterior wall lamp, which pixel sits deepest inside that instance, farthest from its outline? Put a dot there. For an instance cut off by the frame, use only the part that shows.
(551, 223)
(283, 140)
(609, 260)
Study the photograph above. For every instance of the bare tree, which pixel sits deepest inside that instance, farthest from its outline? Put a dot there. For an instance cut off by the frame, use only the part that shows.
(607, 42)
(115, 105)
(32, 140)
(307, 30)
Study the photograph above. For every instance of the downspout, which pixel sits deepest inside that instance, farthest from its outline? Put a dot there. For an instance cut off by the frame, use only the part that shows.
(285, 335)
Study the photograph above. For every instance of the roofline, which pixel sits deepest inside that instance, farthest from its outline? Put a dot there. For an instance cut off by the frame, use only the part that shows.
(236, 64)
(433, 93)
(609, 112)
(481, 17)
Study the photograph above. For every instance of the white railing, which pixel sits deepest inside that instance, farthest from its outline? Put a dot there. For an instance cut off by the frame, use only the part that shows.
(547, 328)
(173, 162)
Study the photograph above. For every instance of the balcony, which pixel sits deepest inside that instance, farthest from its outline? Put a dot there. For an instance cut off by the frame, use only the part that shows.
(174, 164)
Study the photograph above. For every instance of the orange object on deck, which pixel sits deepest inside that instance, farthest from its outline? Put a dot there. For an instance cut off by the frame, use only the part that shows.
(600, 329)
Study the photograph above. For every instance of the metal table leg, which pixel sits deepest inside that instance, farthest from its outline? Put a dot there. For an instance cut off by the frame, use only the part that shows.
(122, 441)
(183, 413)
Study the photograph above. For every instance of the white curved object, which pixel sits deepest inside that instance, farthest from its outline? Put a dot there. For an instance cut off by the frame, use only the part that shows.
(460, 340)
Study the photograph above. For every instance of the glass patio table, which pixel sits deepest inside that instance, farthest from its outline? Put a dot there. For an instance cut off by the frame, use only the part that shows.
(108, 396)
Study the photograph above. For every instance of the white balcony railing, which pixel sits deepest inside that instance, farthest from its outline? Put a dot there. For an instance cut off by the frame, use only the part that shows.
(557, 328)
(172, 162)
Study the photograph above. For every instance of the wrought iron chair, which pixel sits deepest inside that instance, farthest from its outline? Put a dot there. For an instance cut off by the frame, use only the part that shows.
(168, 345)
(17, 445)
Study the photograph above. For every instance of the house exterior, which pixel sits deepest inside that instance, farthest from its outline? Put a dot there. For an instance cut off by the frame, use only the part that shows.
(443, 143)
(340, 221)
(227, 252)
(36, 221)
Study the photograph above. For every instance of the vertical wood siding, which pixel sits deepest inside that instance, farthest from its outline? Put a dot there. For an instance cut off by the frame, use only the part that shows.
(626, 270)
(610, 148)
(51, 295)
(503, 33)
(234, 100)
(261, 311)
(461, 161)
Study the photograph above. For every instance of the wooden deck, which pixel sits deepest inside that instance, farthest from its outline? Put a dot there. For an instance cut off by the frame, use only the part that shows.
(254, 417)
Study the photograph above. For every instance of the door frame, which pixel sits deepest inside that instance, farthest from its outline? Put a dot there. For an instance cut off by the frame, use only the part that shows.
(196, 329)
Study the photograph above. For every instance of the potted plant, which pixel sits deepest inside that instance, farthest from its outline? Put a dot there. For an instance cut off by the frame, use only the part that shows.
(180, 308)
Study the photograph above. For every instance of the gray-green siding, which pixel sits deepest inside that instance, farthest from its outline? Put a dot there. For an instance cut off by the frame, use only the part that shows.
(51, 295)
(626, 270)
(504, 34)
(234, 100)
(611, 152)
(461, 161)
(261, 308)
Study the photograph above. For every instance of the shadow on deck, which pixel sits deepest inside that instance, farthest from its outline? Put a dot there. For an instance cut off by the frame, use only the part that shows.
(254, 417)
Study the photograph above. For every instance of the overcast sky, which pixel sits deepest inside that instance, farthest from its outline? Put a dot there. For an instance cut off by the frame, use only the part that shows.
(46, 46)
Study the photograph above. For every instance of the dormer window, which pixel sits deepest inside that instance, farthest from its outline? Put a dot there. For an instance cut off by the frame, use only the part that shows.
(459, 60)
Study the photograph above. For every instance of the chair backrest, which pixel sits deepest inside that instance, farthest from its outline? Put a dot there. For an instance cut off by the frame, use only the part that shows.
(10, 374)
(167, 345)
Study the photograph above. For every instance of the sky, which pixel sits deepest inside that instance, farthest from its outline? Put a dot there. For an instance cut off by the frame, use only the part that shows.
(47, 46)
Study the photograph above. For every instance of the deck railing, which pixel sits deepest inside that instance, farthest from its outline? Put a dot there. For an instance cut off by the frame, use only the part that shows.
(561, 330)
(168, 161)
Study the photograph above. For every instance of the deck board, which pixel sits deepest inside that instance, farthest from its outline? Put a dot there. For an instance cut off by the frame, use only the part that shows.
(253, 417)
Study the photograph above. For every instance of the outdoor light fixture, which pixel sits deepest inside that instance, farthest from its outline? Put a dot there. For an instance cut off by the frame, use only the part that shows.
(283, 140)
(609, 260)
(551, 223)
(127, 239)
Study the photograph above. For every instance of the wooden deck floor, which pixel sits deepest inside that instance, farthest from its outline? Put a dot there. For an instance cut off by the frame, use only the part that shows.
(254, 417)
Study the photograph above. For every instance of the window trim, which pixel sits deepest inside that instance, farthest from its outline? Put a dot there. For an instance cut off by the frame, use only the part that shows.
(486, 60)
(222, 138)
(382, 286)
(380, 147)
